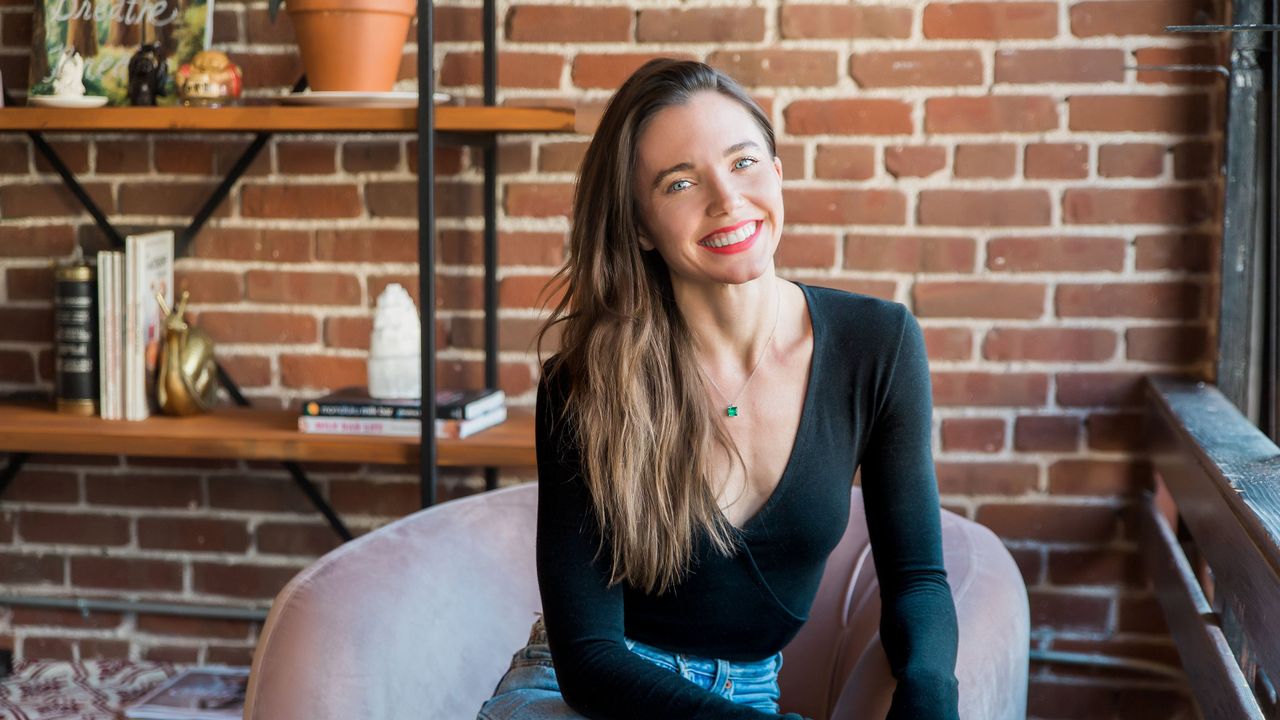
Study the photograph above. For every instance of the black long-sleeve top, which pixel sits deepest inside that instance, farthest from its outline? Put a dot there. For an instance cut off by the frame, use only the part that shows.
(868, 403)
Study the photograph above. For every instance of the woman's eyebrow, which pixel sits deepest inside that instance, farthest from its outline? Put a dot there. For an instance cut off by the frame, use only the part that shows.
(689, 166)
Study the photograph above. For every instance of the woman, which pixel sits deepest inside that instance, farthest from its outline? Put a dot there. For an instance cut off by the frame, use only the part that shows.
(698, 431)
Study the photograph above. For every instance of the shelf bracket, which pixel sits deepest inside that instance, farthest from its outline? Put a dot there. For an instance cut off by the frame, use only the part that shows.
(16, 461)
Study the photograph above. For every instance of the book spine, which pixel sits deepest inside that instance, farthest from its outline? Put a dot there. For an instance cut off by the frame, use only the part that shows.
(104, 347)
(117, 336)
(473, 409)
(359, 426)
(132, 374)
(332, 409)
(76, 337)
(466, 428)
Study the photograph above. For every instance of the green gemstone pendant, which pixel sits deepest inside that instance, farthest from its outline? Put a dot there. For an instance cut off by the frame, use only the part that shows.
(732, 411)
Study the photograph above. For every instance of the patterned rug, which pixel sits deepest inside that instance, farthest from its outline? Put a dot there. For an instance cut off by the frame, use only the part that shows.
(88, 690)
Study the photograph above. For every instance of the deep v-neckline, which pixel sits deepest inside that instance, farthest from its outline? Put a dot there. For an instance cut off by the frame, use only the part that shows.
(802, 427)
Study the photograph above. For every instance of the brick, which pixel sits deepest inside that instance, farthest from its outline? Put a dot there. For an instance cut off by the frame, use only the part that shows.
(1114, 389)
(909, 253)
(1188, 252)
(170, 654)
(381, 499)
(29, 283)
(984, 208)
(978, 299)
(1056, 161)
(1138, 113)
(1060, 65)
(121, 156)
(177, 157)
(1194, 160)
(1131, 160)
(193, 627)
(259, 327)
(193, 534)
(300, 201)
(515, 69)
(31, 569)
(320, 372)
(247, 370)
(270, 245)
(1169, 300)
(1167, 344)
(268, 70)
(990, 20)
(991, 114)
(1049, 344)
(940, 68)
(52, 617)
(1194, 55)
(17, 366)
(844, 162)
(125, 573)
(42, 486)
(1046, 433)
(538, 199)
(241, 580)
(948, 343)
(1056, 253)
(806, 250)
(242, 656)
(527, 291)
(26, 325)
(548, 23)
(565, 157)
(37, 242)
(260, 29)
(1098, 477)
(74, 528)
(307, 157)
(514, 334)
(16, 67)
(707, 24)
(1138, 17)
(769, 68)
(848, 117)
(464, 247)
(348, 332)
(845, 207)
(143, 490)
(48, 648)
(373, 156)
(73, 153)
(1005, 389)
(906, 161)
(1068, 612)
(1051, 522)
(311, 288)
(985, 161)
(15, 157)
(1140, 615)
(312, 539)
(259, 494)
(45, 200)
(844, 21)
(1122, 432)
(1168, 206)
(177, 199)
(209, 286)
(367, 245)
(226, 27)
(974, 435)
(16, 28)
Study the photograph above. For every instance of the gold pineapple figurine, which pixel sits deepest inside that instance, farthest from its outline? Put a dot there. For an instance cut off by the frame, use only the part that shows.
(187, 379)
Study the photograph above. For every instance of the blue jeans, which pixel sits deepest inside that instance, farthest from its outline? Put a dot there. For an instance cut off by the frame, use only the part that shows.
(529, 690)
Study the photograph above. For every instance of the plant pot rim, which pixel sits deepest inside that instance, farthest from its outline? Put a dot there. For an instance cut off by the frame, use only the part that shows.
(396, 7)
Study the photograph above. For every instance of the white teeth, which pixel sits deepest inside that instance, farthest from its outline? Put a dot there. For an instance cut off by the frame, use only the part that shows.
(732, 238)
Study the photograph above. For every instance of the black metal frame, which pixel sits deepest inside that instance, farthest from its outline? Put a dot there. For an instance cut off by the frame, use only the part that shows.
(486, 142)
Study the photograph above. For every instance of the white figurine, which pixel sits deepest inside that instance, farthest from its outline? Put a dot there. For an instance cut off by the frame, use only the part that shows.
(395, 349)
(68, 78)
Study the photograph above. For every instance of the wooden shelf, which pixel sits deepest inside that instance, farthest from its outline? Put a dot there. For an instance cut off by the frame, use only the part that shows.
(248, 434)
(281, 118)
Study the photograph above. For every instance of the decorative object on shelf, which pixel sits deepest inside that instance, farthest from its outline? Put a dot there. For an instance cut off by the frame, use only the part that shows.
(75, 314)
(68, 85)
(106, 34)
(187, 379)
(148, 75)
(350, 45)
(209, 80)
(395, 348)
(361, 99)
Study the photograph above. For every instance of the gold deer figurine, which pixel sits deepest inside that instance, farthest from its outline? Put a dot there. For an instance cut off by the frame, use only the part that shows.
(187, 379)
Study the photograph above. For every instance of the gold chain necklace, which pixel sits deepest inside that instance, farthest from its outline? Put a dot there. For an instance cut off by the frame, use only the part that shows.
(732, 409)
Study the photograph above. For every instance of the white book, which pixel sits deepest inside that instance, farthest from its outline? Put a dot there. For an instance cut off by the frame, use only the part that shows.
(400, 427)
(104, 295)
(117, 335)
(149, 261)
(110, 334)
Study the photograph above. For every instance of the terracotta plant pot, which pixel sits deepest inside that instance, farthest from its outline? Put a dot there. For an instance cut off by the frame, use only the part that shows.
(352, 45)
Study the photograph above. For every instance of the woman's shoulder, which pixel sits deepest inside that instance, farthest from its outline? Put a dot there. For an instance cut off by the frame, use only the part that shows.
(869, 317)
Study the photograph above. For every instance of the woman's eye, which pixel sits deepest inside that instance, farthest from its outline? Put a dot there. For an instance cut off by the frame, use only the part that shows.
(749, 160)
(674, 187)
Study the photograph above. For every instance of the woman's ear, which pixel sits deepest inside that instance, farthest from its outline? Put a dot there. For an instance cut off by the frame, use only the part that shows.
(777, 166)
(645, 243)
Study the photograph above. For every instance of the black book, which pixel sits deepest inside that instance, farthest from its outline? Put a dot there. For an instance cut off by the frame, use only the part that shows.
(355, 402)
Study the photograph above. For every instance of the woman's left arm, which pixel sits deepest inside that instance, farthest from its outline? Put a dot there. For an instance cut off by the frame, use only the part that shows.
(900, 492)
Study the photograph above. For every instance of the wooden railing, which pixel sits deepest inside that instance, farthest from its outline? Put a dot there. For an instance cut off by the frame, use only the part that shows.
(1210, 535)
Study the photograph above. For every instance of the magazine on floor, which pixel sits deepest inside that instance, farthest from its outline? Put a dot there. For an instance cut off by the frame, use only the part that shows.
(197, 693)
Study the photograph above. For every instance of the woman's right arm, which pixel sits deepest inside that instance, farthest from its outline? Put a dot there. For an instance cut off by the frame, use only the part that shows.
(598, 676)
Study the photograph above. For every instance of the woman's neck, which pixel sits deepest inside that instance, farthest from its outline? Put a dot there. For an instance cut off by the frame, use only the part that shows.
(731, 324)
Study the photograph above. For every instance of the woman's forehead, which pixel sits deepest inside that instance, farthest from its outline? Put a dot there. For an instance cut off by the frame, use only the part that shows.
(707, 124)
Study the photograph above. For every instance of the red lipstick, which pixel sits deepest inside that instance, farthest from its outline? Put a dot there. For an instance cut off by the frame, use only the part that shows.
(743, 246)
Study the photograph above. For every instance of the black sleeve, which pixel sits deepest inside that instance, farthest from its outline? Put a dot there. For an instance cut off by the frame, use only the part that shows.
(598, 676)
(899, 490)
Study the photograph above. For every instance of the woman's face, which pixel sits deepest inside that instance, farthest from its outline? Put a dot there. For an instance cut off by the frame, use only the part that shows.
(708, 191)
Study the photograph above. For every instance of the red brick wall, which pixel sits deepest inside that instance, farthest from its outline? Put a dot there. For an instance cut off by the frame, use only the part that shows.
(1049, 215)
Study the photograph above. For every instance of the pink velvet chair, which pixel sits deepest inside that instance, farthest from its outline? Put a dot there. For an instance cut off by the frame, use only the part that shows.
(419, 619)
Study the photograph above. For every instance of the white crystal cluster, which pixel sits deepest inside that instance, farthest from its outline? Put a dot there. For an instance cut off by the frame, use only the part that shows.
(69, 77)
(395, 349)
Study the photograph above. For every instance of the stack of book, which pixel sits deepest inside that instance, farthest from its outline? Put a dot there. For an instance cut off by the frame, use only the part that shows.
(352, 411)
(129, 323)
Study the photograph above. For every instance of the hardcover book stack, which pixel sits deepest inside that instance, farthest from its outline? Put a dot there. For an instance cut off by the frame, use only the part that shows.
(352, 411)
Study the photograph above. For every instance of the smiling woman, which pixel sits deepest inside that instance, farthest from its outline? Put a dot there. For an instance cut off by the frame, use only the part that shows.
(683, 529)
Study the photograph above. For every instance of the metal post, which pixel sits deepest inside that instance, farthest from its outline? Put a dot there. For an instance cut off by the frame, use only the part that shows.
(426, 248)
(490, 217)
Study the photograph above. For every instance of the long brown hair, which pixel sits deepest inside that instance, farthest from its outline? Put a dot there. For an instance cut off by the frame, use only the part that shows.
(637, 398)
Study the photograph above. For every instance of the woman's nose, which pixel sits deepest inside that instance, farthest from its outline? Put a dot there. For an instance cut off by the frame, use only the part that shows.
(725, 196)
